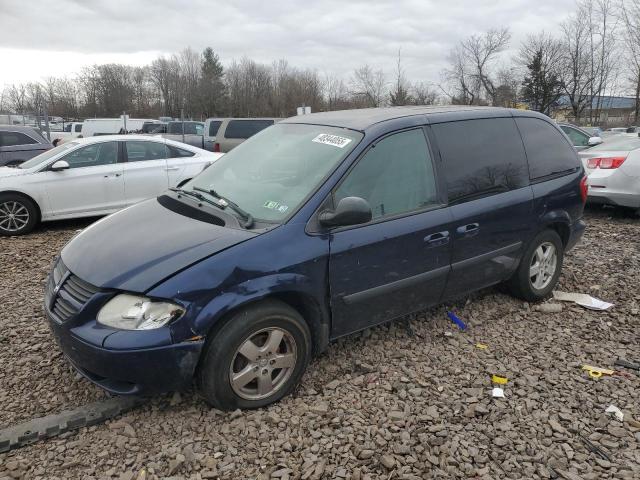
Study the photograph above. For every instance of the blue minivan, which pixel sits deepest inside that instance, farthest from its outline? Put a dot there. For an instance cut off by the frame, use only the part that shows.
(317, 227)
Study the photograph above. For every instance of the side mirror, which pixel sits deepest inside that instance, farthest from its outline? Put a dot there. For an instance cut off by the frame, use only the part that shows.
(59, 165)
(350, 211)
(593, 141)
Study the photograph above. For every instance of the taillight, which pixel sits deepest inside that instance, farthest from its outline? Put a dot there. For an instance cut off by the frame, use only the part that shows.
(584, 188)
(216, 147)
(605, 162)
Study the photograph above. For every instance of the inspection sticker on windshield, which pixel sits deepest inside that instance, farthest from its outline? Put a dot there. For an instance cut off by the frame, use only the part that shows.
(334, 140)
(271, 205)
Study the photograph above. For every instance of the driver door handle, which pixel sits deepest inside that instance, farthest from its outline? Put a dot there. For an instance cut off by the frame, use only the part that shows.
(114, 175)
(170, 169)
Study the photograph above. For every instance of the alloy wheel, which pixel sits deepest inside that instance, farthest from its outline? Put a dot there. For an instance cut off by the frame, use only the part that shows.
(14, 216)
(263, 363)
(543, 265)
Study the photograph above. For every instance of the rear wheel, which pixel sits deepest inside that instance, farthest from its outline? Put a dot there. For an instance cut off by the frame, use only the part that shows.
(539, 269)
(256, 358)
(18, 215)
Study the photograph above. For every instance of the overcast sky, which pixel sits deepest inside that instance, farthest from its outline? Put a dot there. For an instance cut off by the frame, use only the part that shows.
(53, 38)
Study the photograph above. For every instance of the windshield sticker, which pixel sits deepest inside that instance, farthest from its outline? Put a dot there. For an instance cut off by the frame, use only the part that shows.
(271, 205)
(334, 140)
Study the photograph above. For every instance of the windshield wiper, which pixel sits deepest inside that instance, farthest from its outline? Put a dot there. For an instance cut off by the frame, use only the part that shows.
(225, 202)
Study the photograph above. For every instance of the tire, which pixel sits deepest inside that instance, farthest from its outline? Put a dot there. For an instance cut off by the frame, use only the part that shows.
(18, 215)
(532, 288)
(253, 330)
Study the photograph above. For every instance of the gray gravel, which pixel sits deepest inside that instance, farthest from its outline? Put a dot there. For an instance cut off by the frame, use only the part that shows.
(383, 404)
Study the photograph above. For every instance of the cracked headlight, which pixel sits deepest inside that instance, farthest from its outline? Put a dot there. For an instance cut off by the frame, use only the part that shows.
(132, 312)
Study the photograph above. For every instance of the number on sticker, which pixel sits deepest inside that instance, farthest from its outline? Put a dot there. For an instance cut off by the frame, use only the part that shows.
(335, 140)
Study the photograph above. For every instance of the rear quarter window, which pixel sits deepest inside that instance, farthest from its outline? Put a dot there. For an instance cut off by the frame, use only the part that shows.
(548, 151)
(245, 128)
(481, 157)
(213, 128)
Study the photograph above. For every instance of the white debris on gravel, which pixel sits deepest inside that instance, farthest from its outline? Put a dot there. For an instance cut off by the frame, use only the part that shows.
(383, 405)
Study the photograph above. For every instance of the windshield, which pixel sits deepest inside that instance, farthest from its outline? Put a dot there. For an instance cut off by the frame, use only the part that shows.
(43, 157)
(273, 172)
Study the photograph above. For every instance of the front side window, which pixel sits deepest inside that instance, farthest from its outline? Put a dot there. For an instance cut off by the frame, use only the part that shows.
(273, 172)
(578, 139)
(140, 151)
(14, 139)
(78, 128)
(548, 151)
(481, 157)
(93, 155)
(45, 156)
(395, 176)
(245, 128)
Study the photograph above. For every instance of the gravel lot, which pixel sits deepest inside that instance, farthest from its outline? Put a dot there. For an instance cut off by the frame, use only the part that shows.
(383, 404)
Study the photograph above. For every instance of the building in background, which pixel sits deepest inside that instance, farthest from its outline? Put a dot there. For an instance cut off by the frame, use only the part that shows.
(606, 111)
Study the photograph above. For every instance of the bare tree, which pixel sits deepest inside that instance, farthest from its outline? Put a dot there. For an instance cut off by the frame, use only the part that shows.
(630, 13)
(481, 52)
(369, 86)
(422, 94)
(462, 86)
(400, 94)
(576, 71)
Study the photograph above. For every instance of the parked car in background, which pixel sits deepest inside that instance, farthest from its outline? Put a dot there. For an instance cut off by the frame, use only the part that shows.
(18, 144)
(322, 225)
(580, 138)
(93, 176)
(614, 172)
(71, 130)
(211, 127)
(153, 128)
(190, 132)
(616, 130)
(112, 126)
(233, 131)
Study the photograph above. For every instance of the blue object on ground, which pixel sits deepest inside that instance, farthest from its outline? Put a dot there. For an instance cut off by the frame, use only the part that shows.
(453, 317)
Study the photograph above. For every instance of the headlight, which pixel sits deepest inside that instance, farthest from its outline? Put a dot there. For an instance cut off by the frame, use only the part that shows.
(131, 312)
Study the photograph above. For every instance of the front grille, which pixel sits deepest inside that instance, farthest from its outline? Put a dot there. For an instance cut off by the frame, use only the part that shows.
(71, 296)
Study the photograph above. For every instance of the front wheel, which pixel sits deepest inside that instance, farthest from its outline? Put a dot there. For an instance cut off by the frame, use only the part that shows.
(256, 358)
(18, 215)
(539, 268)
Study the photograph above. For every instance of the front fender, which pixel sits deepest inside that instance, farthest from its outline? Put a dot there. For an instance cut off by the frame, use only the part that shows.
(248, 292)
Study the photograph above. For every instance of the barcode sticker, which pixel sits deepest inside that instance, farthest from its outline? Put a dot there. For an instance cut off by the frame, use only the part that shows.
(334, 140)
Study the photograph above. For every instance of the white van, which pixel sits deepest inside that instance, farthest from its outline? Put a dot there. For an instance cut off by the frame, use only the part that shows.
(110, 126)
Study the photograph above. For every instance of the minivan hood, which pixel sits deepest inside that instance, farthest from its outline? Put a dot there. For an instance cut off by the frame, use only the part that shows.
(12, 172)
(142, 245)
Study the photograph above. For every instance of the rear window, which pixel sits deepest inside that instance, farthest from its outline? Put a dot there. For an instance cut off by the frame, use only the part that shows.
(245, 128)
(13, 139)
(548, 151)
(481, 157)
(213, 128)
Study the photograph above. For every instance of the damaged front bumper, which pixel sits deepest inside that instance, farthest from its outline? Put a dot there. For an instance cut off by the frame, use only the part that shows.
(135, 371)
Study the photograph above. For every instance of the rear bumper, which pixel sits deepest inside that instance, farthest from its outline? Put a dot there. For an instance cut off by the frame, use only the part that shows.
(577, 230)
(609, 197)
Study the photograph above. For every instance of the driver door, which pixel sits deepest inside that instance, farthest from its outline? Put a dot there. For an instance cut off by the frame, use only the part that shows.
(399, 262)
(92, 185)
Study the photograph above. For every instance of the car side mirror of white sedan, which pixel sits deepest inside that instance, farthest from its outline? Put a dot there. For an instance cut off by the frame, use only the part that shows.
(59, 165)
(593, 141)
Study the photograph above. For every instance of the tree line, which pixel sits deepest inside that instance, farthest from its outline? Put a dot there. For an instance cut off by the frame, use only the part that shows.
(595, 52)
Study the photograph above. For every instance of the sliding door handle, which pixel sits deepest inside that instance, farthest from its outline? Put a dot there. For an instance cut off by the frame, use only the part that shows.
(437, 239)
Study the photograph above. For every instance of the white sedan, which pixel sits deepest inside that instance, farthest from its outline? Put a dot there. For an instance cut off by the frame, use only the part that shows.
(94, 176)
(613, 170)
